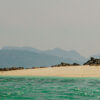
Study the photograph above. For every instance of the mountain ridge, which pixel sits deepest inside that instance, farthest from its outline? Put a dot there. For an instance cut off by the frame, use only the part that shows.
(31, 57)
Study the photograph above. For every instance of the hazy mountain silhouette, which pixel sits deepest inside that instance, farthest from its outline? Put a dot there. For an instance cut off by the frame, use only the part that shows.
(30, 57)
(22, 48)
(9, 58)
(67, 54)
(96, 56)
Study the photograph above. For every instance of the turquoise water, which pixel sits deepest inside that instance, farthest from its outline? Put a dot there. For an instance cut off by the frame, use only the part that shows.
(45, 88)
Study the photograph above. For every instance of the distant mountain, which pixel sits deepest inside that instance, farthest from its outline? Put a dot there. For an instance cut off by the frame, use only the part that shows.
(30, 57)
(75, 56)
(23, 58)
(22, 48)
(96, 56)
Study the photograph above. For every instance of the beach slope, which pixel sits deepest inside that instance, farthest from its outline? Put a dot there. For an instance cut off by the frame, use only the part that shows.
(67, 71)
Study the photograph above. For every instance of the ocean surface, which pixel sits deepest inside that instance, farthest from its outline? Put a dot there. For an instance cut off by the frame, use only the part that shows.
(49, 88)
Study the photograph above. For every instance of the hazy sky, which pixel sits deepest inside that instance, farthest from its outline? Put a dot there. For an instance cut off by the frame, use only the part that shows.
(47, 24)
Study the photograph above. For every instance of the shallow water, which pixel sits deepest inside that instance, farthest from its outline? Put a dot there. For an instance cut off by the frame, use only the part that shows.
(48, 88)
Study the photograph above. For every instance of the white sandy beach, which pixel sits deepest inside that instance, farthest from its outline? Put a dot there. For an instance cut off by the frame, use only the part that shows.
(68, 71)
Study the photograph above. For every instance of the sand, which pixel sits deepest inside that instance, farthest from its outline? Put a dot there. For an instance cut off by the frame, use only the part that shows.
(67, 71)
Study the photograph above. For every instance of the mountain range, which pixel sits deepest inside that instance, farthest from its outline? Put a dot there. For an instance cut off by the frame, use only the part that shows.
(31, 57)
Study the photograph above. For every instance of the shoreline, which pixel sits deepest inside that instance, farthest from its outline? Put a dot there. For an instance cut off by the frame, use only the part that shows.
(67, 71)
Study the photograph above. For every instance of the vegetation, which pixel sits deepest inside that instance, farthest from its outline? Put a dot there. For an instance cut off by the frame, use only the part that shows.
(65, 64)
(93, 61)
(11, 68)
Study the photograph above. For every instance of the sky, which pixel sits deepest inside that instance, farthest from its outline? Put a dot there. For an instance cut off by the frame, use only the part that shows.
(48, 24)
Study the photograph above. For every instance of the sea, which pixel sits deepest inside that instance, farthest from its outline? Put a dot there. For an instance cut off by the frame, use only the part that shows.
(49, 88)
